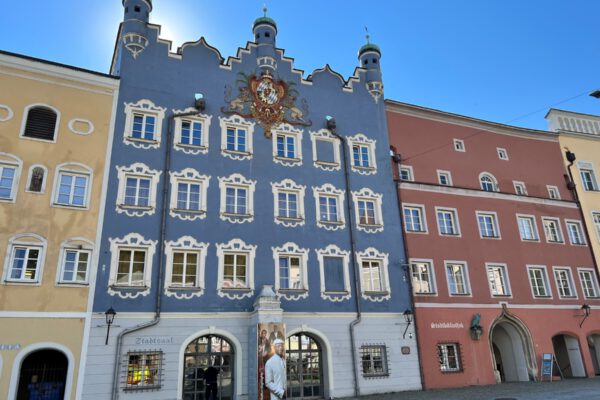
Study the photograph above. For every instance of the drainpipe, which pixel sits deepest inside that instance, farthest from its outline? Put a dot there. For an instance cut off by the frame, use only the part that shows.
(396, 158)
(357, 284)
(163, 227)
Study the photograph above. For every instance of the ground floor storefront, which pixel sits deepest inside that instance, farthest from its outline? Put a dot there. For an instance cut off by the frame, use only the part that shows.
(482, 346)
(39, 355)
(195, 356)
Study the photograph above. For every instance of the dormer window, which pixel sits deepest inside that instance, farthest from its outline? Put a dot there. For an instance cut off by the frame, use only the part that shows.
(41, 123)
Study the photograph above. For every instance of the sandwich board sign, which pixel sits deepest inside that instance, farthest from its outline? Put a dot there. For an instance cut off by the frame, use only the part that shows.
(548, 364)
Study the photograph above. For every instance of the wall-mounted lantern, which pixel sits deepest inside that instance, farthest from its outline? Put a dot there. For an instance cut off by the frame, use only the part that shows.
(408, 317)
(587, 310)
(110, 317)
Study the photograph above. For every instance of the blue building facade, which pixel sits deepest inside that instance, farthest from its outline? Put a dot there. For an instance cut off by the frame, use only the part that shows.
(242, 192)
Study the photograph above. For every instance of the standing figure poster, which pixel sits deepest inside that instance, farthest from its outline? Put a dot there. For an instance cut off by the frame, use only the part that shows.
(271, 361)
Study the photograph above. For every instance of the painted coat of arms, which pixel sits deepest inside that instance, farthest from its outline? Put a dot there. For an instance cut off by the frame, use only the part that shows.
(269, 101)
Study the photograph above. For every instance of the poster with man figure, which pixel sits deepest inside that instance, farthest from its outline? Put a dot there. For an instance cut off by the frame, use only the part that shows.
(271, 362)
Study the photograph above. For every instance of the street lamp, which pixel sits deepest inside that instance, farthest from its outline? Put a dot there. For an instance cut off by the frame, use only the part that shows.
(110, 317)
(330, 123)
(408, 317)
(587, 310)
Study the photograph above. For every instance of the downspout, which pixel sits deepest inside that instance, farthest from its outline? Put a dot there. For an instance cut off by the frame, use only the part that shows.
(357, 287)
(396, 158)
(161, 254)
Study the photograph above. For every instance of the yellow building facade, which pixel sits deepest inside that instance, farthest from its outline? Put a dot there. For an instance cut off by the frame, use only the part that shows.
(579, 134)
(55, 130)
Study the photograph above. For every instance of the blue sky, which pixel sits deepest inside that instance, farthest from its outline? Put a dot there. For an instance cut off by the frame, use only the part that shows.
(502, 60)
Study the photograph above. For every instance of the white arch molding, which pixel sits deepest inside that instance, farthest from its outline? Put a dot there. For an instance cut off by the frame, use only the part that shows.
(16, 369)
(328, 385)
(237, 354)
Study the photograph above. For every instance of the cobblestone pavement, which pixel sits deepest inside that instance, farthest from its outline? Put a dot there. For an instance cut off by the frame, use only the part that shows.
(572, 389)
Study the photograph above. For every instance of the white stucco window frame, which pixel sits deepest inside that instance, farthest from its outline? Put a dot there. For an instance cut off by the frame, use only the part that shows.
(580, 272)
(366, 194)
(289, 186)
(572, 287)
(26, 117)
(131, 241)
(372, 254)
(545, 280)
(580, 230)
(29, 240)
(8, 113)
(79, 244)
(553, 189)
(188, 175)
(236, 122)
(75, 169)
(334, 251)
(288, 130)
(204, 119)
(329, 190)
(189, 245)
(326, 136)
(146, 107)
(561, 236)
(137, 170)
(10, 160)
(30, 175)
(293, 250)
(362, 140)
(589, 166)
(236, 246)
(237, 181)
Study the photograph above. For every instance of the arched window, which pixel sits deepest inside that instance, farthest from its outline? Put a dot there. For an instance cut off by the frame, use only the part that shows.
(37, 179)
(488, 182)
(72, 183)
(41, 123)
(25, 261)
(10, 170)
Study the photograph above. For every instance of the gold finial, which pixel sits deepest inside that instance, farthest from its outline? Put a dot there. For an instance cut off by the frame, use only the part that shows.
(265, 9)
(368, 35)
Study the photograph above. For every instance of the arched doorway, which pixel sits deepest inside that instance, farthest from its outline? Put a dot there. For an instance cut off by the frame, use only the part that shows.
(304, 361)
(568, 356)
(512, 351)
(594, 346)
(43, 375)
(208, 370)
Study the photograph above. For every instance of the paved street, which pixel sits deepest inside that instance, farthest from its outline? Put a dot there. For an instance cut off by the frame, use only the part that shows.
(574, 389)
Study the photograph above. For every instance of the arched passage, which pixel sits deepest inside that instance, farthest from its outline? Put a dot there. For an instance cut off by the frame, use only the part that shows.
(512, 350)
(43, 375)
(568, 355)
(304, 362)
(594, 346)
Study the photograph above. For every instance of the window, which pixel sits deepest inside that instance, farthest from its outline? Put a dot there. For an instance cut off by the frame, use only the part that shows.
(236, 269)
(74, 262)
(458, 282)
(488, 182)
(188, 194)
(362, 150)
(72, 185)
(335, 277)
(538, 278)
(527, 227)
(520, 188)
(459, 145)
(588, 283)
(287, 145)
(185, 267)
(575, 232)
(25, 258)
(237, 199)
(236, 137)
(131, 265)
(423, 280)
(367, 210)
(36, 182)
(552, 230)
(10, 168)
(41, 122)
(588, 176)
(325, 150)
(374, 361)
(406, 173)
(137, 190)
(329, 204)
(444, 178)
(596, 219)
(288, 202)
(291, 280)
(488, 227)
(143, 370)
(449, 357)
(447, 222)
(191, 133)
(553, 192)
(143, 124)
(498, 279)
(414, 218)
(374, 277)
(564, 282)
(502, 154)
